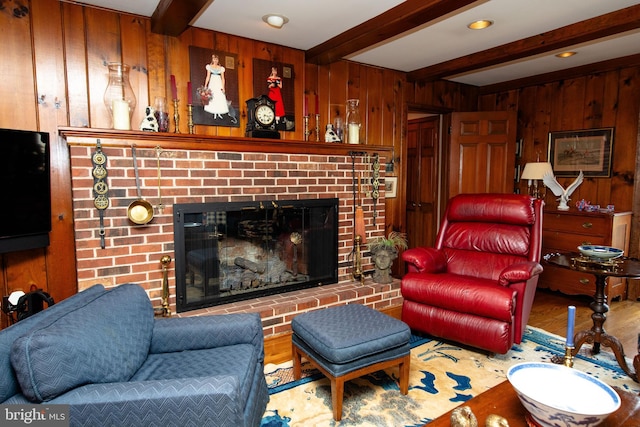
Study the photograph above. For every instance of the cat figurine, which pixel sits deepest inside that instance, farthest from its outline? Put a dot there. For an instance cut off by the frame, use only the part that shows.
(233, 114)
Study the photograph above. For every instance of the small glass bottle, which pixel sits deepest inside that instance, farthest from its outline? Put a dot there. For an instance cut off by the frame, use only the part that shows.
(338, 127)
(353, 121)
(162, 114)
(119, 97)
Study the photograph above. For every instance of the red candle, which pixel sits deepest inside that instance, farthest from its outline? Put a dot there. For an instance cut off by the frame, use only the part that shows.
(317, 105)
(174, 88)
(189, 95)
(306, 105)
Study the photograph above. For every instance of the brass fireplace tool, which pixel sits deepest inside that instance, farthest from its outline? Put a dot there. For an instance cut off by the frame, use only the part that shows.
(164, 311)
(357, 260)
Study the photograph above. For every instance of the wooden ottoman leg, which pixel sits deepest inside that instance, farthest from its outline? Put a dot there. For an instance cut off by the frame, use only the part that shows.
(337, 394)
(405, 366)
(307, 328)
(297, 362)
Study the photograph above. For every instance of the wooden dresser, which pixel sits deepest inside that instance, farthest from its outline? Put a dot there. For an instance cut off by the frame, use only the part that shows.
(564, 231)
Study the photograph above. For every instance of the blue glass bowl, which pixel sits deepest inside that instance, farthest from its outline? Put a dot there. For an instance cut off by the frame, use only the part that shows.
(600, 252)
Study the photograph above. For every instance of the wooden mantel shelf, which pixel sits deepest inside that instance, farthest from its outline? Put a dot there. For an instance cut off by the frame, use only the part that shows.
(168, 140)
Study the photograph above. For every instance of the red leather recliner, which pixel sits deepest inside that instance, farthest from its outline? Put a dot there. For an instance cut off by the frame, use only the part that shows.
(477, 285)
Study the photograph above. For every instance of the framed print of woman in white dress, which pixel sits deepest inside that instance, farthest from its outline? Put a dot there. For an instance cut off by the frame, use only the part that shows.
(216, 100)
(215, 83)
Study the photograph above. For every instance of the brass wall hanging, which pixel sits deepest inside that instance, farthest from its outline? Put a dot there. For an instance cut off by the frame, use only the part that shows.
(100, 187)
(140, 211)
(160, 205)
(375, 183)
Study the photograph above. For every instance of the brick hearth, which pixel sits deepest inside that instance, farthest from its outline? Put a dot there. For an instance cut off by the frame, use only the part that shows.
(198, 175)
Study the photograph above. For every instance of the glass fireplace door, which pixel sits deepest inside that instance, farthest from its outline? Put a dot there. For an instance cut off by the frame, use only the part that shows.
(233, 251)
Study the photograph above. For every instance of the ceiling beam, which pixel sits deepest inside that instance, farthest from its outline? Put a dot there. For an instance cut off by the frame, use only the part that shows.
(569, 73)
(172, 17)
(405, 17)
(591, 29)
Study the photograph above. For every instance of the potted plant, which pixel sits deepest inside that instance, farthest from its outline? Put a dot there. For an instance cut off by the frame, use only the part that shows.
(384, 250)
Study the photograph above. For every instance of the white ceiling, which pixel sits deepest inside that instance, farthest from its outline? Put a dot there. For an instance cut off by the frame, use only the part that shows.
(314, 22)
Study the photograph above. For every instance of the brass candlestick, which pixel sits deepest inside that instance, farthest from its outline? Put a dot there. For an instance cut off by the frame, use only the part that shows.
(317, 127)
(176, 116)
(307, 132)
(568, 356)
(190, 118)
(166, 311)
(567, 359)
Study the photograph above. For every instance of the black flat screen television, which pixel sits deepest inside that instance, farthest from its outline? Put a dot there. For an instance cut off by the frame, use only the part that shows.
(25, 214)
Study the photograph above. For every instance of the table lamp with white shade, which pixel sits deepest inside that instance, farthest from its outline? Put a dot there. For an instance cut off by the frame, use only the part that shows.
(534, 172)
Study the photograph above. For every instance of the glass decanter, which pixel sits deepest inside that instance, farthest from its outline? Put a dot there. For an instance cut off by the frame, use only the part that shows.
(353, 121)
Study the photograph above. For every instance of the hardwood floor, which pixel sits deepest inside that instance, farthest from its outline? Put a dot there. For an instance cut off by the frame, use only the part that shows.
(549, 312)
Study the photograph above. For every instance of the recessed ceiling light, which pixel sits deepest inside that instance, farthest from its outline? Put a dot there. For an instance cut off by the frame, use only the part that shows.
(276, 21)
(480, 25)
(565, 54)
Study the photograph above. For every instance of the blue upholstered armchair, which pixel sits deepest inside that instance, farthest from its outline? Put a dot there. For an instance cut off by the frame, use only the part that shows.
(103, 353)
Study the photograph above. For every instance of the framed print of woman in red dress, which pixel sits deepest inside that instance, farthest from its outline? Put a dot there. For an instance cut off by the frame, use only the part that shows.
(279, 87)
(274, 83)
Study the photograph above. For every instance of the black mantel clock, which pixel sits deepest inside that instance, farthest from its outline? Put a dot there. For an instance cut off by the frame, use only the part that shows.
(261, 118)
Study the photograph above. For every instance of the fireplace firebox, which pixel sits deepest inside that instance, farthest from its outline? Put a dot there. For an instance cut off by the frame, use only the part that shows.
(234, 251)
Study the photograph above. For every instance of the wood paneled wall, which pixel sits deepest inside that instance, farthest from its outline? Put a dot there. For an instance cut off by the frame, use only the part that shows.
(33, 96)
(53, 73)
(607, 99)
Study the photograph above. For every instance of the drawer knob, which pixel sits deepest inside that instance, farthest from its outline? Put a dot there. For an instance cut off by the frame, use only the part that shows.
(587, 225)
(584, 281)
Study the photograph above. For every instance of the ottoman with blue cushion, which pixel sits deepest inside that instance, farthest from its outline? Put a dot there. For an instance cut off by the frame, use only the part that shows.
(347, 342)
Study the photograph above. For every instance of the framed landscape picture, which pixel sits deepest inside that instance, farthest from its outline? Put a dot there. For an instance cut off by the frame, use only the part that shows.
(390, 187)
(588, 150)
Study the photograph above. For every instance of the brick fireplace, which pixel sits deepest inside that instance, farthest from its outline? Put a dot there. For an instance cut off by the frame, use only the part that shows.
(179, 169)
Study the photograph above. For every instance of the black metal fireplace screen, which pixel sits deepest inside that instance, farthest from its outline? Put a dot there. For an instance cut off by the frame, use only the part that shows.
(235, 251)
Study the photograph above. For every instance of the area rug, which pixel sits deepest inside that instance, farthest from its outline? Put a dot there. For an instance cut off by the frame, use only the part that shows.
(443, 376)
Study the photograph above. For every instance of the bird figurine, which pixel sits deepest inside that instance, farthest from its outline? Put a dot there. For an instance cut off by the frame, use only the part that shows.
(463, 417)
(552, 184)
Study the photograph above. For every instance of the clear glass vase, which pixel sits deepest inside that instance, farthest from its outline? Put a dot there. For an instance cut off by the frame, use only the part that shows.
(119, 97)
(162, 114)
(353, 121)
(338, 127)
